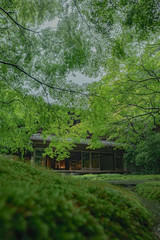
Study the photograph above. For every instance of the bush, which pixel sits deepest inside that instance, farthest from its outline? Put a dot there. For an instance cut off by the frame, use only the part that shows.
(144, 157)
(38, 204)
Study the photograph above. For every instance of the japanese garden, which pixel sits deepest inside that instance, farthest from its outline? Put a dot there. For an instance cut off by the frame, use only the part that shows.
(80, 119)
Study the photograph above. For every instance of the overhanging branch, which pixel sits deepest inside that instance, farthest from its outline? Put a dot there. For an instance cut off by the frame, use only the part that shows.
(42, 83)
(18, 24)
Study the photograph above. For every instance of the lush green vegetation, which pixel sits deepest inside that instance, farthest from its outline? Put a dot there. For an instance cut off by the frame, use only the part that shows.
(149, 190)
(120, 39)
(120, 177)
(38, 204)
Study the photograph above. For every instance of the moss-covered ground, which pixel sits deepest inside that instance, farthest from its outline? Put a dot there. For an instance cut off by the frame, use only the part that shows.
(39, 204)
(121, 177)
(149, 190)
(147, 186)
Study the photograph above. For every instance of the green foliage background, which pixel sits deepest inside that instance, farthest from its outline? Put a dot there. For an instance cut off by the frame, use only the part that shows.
(118, 40)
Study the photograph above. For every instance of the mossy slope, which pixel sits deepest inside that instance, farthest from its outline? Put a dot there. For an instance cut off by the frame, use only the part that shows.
(149, 190)
(121, 177)
(38, 204)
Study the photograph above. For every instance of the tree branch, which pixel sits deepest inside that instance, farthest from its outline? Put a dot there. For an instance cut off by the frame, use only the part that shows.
(19, 25)
(42, 83)
(151, 73)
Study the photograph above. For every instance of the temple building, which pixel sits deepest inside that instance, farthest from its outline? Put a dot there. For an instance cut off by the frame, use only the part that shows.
(82, 160)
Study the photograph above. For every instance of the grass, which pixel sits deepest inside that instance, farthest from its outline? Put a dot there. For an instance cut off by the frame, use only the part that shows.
(38, 204)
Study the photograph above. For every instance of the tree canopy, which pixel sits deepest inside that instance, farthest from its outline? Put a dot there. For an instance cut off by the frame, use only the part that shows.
(118, 39)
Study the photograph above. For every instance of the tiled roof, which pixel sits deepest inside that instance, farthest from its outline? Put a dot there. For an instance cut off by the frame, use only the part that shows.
(38, 137)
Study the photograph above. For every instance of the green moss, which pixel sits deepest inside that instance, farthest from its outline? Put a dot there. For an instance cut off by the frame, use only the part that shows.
(120, 177)
(149, 190)
(38, 204)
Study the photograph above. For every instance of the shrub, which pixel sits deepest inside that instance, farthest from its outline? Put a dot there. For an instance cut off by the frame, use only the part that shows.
(144, 157)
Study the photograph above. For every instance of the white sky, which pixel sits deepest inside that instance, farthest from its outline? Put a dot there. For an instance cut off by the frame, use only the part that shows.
(80, 78)
(51, 24)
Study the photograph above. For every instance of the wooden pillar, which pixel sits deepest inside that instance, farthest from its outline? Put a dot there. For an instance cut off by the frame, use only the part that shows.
(90, 160)
(114, 161)
(34, 156)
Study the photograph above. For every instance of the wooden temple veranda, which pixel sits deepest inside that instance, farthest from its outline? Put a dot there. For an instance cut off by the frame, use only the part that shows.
(104, 160)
